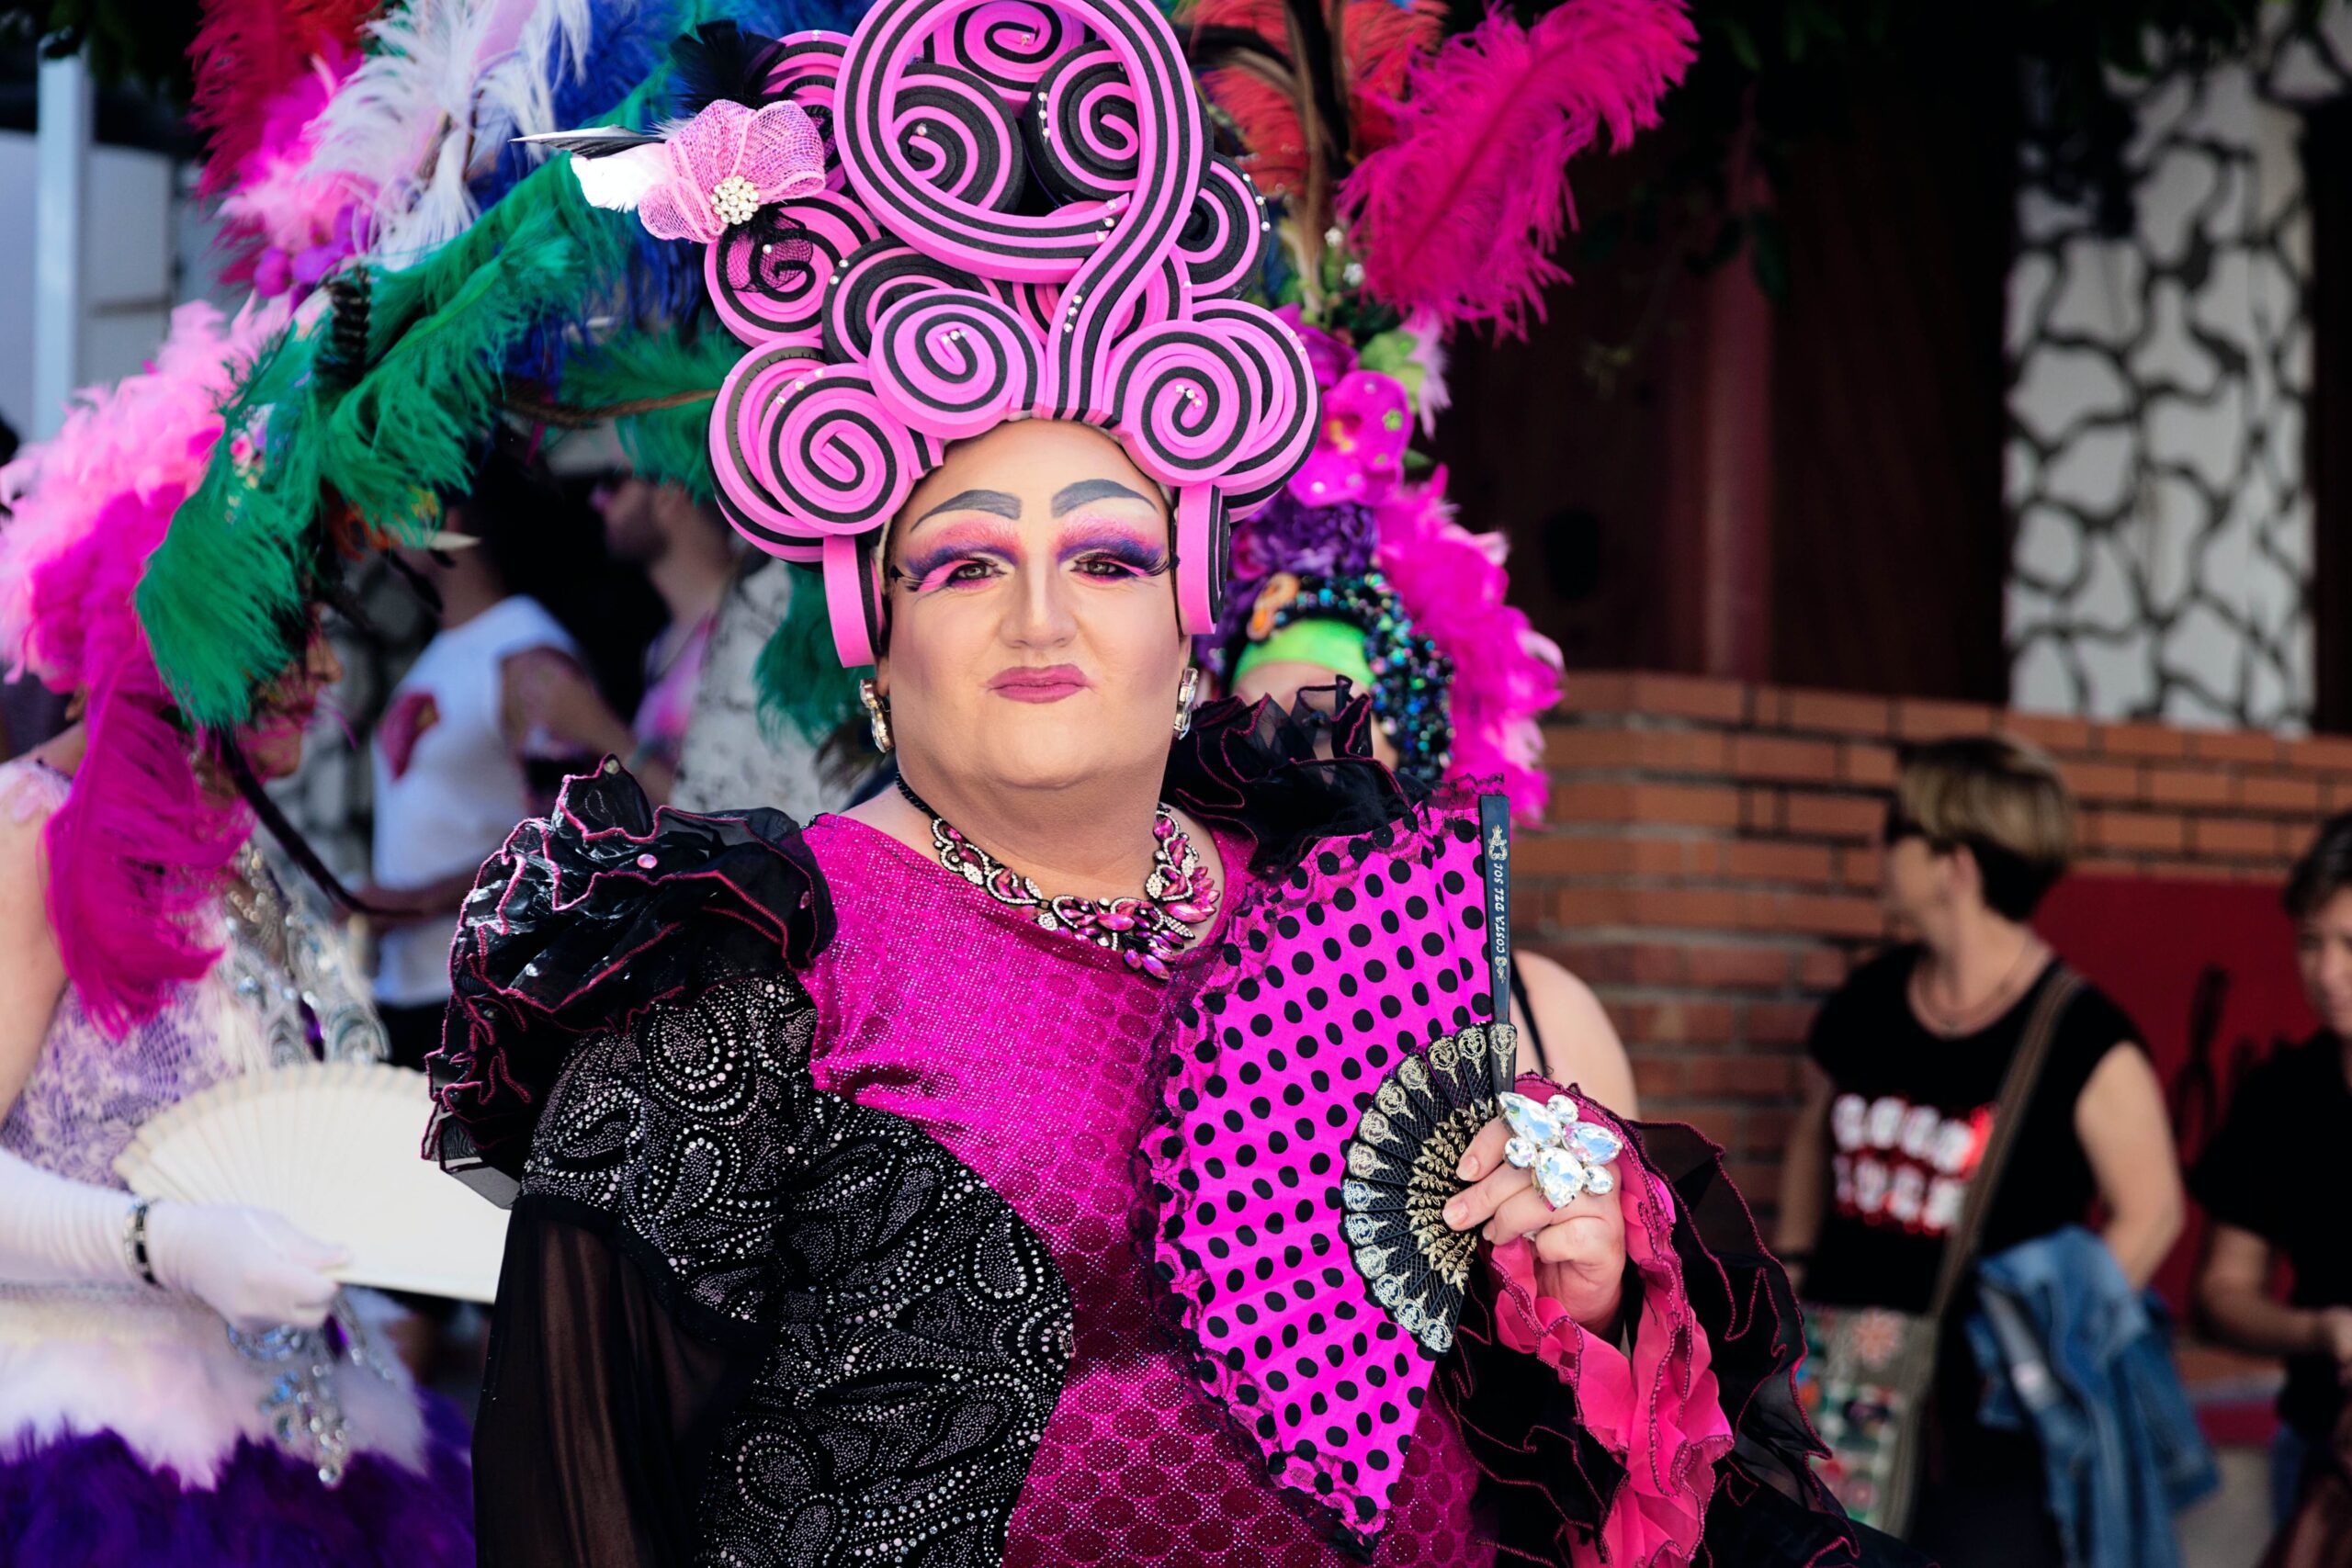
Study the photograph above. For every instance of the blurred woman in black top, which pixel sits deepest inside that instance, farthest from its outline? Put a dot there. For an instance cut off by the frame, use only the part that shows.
(2272, 1177)
(1908, 1059)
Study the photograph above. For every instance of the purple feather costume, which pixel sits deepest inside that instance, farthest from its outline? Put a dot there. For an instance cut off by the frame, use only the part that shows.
(131, 1433)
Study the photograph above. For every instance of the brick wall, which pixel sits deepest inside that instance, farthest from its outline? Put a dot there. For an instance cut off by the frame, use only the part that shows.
(1712, 866)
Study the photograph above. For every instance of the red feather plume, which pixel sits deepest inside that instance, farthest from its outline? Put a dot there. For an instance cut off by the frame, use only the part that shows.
(1380, 39)
(245, 52)
(1460, 213)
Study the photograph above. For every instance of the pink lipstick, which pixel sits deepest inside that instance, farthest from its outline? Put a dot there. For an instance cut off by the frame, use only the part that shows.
(1049, 684)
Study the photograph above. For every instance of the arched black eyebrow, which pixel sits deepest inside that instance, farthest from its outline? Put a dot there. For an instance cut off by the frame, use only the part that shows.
(993, 501)
(1085, 491)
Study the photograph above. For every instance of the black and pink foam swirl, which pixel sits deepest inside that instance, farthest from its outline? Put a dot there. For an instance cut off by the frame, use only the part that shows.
(1023, 219)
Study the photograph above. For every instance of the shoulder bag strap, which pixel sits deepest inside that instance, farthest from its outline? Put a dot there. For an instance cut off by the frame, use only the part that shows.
(1915, 1375)
(2008, 1112)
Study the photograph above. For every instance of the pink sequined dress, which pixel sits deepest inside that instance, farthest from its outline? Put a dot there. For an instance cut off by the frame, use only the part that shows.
(860, 1219)
(1033, 1058)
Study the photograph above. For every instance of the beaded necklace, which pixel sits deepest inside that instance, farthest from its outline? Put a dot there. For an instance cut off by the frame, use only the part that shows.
(1147, 932)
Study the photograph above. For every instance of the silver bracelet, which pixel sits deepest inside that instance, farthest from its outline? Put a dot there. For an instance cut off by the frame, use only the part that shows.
(134, 1241)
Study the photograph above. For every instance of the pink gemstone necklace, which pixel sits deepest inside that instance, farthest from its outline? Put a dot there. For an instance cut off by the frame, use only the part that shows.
(1147, 932)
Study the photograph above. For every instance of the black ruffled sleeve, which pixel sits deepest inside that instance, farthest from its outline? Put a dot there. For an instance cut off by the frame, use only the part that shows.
(578, 924)
(742, 1320)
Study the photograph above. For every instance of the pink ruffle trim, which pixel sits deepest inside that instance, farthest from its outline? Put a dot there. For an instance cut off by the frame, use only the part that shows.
(1657, 1411)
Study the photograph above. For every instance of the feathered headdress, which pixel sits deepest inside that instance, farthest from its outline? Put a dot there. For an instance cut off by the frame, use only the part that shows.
(1459, 214)
(245, 54)
(1309, 89)
(446, 84)
(137, 851)
(1053, 259)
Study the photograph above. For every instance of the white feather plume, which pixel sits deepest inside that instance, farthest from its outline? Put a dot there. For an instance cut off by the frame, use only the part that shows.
(408, 125)
(517, 96)
(620, 181)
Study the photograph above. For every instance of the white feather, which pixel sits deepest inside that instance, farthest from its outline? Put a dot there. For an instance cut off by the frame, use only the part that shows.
(439, 210)
(517, 94)
(406, 128)
(162, 1376)
(620, 181)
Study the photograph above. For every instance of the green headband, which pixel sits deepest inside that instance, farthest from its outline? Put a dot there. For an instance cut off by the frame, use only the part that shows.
(1337, 646)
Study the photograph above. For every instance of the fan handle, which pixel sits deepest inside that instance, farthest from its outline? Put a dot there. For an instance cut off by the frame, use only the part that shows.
(1494, 834)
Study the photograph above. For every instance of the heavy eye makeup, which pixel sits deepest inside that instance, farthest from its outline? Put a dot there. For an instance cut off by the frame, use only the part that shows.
(961, 557)
(967, 556)
(1110, 551)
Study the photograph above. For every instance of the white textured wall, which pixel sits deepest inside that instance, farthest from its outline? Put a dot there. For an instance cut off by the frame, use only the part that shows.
(2155, 461)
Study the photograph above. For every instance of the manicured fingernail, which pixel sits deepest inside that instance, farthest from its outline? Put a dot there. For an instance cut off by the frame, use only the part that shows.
(1454, 1214)
(1468, 1168)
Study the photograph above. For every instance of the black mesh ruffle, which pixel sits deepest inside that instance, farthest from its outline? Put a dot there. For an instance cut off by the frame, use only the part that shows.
(1256, 767)
(588, 918)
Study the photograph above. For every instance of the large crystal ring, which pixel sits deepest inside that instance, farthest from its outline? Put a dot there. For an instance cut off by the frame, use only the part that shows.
(1568, 1156)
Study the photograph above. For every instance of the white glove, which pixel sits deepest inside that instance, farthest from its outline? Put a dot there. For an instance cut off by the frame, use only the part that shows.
(248, 1265)
(57, 1231)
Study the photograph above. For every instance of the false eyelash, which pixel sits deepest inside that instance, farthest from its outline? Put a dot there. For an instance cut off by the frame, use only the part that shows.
(923, 567)
(1144, 561)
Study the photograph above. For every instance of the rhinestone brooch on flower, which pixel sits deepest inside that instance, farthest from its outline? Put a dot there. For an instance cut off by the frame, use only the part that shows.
(735, 199)
(1569, 1157)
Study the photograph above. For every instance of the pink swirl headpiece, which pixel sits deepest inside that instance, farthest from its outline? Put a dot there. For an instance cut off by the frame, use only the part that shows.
(1020, 217)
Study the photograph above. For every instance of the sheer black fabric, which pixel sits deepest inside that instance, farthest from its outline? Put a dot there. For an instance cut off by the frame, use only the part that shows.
(600, 1412)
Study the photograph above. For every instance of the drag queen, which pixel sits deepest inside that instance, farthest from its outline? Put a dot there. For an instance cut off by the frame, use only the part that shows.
(179, 1383)
(1094, 1150)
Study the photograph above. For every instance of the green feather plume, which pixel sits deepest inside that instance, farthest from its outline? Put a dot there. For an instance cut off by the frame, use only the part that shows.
(222, 593)
(225, 598)
(670, 444)
(800, 679)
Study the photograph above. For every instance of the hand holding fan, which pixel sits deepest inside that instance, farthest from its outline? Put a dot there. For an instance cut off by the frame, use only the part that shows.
(333, 1148)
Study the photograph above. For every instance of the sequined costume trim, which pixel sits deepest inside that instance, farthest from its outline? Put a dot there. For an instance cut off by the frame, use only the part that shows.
(917, 1331)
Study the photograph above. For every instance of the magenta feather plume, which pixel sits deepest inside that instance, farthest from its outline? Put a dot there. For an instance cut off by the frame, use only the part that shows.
(244, 53)
(1460, 214)
(1506, 674)
(137, 852)
(139, 848)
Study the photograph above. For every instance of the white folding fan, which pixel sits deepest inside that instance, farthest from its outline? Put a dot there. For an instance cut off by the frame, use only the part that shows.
(333, 1146)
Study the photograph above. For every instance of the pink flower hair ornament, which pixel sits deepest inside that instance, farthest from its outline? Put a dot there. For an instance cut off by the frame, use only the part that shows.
(910, 290)
(1367, 425)
(704, 176)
